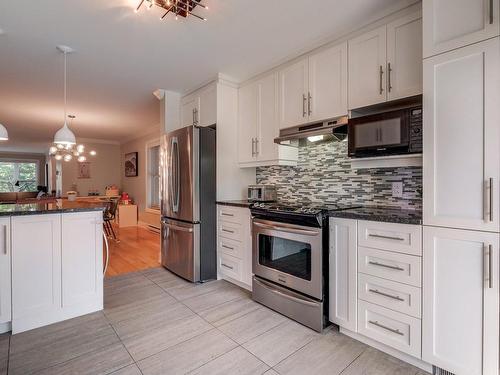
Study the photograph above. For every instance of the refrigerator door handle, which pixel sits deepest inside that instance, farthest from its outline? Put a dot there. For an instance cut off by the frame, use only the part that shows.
(175, 189)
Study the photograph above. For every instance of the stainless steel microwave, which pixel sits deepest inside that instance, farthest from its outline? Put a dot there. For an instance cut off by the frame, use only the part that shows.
(388, 133)
(262, 193)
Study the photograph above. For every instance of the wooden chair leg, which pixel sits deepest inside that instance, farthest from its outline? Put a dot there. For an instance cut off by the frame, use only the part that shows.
(113, 232)
(106, 230)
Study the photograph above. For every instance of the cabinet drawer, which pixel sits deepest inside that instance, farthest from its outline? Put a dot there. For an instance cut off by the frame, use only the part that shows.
(392, 266)
(402, 238)
(399, 297)
(232, 231)
(233, 214)
(230, 247)
(399, 331)
(230, 266)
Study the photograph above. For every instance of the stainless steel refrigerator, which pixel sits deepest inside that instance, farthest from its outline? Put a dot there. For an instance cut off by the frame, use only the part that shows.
(188, 193)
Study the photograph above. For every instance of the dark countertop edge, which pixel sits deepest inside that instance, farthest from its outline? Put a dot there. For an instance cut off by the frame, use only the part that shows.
(50, 211)
(235, 203)
(390, 216)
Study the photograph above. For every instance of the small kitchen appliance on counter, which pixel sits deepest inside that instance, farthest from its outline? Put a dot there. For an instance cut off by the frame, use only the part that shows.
(261, 193)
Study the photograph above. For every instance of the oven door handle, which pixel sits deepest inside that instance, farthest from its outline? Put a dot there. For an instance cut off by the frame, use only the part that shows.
(287, 229)
(271, 288)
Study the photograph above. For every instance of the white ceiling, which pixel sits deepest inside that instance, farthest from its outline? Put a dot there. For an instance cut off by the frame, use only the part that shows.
(122, 57)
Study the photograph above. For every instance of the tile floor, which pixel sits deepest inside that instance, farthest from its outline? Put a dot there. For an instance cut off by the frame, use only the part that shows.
(156, 323)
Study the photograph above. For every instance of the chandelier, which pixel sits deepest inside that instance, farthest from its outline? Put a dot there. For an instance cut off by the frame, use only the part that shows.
(183, 8)
(66, 152)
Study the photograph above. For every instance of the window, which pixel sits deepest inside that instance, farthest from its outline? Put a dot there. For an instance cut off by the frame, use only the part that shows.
(153, 178)
(18, 176)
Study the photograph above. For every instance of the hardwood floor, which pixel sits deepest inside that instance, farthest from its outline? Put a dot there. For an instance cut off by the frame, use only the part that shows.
(137, 250)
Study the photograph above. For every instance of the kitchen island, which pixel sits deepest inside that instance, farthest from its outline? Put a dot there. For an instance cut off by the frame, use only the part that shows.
(51, 263)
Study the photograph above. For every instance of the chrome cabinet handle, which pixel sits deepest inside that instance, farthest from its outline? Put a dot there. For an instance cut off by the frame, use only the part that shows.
(376, 323)
(304, 112)
(5, 239)
(225, 214)
(488, 192)
(227, 247)
(195, 116)
(381, 74)
(389, 71)
(386, 237)
(491, 12)
(253, 147)
(488, 269)
(227, 266)
(309, 105)
(256, 146)
(386, 266)
(227, 230)
(376, 291)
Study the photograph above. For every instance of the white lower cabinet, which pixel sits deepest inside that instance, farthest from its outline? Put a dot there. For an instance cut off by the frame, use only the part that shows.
(234, 245)
(343, 273)
(56, 268)
(5, 280)
(461, 306)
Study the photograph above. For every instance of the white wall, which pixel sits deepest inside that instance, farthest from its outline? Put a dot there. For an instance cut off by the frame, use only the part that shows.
(104, 169)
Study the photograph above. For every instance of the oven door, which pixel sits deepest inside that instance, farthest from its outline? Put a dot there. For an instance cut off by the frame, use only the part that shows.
(290, 255)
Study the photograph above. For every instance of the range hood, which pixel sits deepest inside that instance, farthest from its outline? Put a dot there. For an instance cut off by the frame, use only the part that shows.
(331, 129)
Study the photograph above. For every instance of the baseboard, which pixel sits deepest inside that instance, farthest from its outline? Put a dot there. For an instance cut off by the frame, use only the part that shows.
(387, 349)
(5, 327)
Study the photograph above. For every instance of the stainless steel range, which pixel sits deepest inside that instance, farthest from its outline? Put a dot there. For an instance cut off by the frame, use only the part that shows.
(290, 260)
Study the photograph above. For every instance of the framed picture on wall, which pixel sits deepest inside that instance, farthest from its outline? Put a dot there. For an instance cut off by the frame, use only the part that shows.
(131, 164)
(83, 169)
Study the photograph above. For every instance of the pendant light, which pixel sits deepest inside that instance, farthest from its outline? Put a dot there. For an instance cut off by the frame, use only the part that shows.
(4, 136)
(65, 136)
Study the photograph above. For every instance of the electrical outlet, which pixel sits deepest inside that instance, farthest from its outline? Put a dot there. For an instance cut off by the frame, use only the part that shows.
(397, 189)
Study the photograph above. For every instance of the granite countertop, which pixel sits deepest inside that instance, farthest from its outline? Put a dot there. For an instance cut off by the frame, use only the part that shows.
(236, 203)
(384, 214)
(59, 206)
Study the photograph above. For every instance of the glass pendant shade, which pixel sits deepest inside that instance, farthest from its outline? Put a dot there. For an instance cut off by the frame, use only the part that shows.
(4, 136)
(65, 136)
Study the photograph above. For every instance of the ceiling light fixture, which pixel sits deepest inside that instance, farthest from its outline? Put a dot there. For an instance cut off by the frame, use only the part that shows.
(65, 136)
(4, 135)
(183, 8)
(66, 152)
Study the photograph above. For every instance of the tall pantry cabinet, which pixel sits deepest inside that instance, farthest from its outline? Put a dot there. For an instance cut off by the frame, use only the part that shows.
(461, 83)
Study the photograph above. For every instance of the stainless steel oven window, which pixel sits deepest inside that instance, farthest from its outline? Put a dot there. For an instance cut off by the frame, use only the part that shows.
(285, 255)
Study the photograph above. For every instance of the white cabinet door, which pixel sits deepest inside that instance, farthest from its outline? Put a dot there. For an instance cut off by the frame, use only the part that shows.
(293, 94)
(268, 122)
(36, 270)
(207, 110)
(450, 24)
(367, 71)
(5, 282)
(462, 138)
(82, 259)
(404, 57)
(189, 110)
(247, 122)
(343, 273)
(328, 83)
(460, 309)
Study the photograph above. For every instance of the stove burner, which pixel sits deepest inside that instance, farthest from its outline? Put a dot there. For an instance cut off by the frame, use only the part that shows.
(299, 209)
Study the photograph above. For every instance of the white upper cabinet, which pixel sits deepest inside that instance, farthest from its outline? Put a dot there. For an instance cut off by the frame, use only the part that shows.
(328, 84)
(258, 126)
(460, 331)
(343, 273)
(404, 57)
(5, 282)
(200, 107)
(293, 94)
(451, 24)
(367, 69)
(462, 138)
(315, 88)
(386, 63)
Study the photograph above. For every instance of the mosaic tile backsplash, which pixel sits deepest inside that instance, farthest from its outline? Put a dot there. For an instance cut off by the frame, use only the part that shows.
(324, 175)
